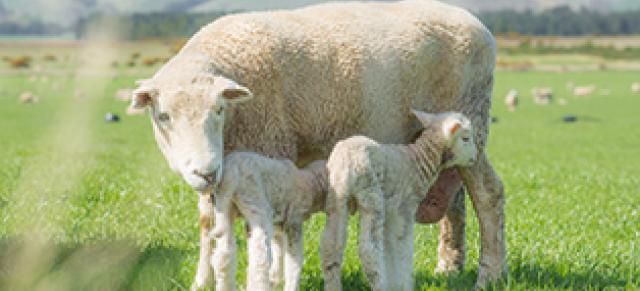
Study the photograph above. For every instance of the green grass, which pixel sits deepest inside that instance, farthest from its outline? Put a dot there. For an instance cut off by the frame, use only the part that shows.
(86, 204)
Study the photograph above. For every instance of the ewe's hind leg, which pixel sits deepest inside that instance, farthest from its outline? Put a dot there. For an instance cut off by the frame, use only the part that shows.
(294, 256)
(224, 256)
(451, 249)
(277, 253)
(371, 240)
(487, 195)
(334, 240)
(204, 273)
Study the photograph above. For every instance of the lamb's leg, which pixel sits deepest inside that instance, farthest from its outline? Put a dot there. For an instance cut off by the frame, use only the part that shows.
(405, 258)
(451, 249)
(333, 241)
(277, 250)
(371, 240)
(294, 257)
(224, 256)
(259, 244)
(204, 273)
(487, 195)
(398, 252)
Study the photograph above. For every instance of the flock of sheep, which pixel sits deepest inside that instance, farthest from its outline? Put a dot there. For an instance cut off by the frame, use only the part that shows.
(544, 95)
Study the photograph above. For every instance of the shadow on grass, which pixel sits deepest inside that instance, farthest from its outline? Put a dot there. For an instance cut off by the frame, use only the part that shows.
(522, 277)
(116, 265)
(525, 276)
(121, 265)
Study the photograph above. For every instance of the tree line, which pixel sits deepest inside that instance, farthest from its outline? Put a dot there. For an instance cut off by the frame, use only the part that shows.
(562, 21)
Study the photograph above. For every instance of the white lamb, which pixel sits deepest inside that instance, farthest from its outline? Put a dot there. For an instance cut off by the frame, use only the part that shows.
(268, 193)
(386, 183)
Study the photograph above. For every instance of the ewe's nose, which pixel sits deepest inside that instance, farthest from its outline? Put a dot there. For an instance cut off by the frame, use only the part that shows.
(209, 177)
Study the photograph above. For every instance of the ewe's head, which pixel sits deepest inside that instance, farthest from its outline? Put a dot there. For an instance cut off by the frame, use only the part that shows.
(454, 133)
(188, 121)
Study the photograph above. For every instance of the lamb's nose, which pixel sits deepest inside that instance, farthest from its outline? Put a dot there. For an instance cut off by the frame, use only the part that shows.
(209, 177)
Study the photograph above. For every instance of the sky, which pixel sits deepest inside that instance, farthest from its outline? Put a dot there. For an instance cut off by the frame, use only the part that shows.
(67, 11)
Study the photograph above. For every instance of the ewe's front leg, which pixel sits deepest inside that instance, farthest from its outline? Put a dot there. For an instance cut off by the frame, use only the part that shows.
(487, 195)
(333, 242)
(205, 271)
(294, 257)
(277, 251)
(371, 240)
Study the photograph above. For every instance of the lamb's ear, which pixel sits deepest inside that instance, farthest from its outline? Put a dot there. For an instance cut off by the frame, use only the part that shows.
(451, 127)
(143, 97)
(425, 118)
(235, 93)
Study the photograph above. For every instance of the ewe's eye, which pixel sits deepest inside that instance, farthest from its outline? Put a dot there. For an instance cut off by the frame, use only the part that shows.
(163, 117)
(465, 139)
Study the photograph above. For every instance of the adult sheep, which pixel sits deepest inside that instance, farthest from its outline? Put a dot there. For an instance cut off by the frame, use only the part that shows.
(320, 74)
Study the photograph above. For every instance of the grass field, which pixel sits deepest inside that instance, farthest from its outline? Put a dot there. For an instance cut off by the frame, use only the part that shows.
(89, 205)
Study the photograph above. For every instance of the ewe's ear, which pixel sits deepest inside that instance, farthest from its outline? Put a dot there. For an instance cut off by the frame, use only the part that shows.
(425, 118)
(143, 97)
(235, 93)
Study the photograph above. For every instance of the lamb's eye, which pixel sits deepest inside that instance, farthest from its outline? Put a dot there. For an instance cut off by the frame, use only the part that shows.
(163, 117)
(465, 139)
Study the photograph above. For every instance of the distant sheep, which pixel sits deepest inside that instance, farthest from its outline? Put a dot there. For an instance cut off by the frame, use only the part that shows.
(387, 183)
(268, 193)
(28, 97)
(584, 90)
(511, 100)
(542, 96)
(635, 87)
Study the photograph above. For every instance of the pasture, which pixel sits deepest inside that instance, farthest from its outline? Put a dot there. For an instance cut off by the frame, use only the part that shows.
(90, 205)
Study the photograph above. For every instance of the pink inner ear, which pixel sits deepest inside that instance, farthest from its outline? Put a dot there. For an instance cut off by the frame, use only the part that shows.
(455, 128)
(143, 98)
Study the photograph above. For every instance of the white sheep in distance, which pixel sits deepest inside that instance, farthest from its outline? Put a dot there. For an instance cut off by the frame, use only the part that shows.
(635, 87)
(268, 193)
(511, 100)
(584, 90)
(28, 97)
(387, 183)
(542, 96)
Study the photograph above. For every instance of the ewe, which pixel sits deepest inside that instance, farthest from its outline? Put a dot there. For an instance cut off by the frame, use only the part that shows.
(268, 193)
(635, 87)
(387, 183)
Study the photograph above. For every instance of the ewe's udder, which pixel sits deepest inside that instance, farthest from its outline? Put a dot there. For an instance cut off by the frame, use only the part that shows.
(433, 208)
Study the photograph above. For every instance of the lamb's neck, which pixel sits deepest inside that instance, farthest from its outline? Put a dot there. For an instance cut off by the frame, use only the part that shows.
(428, 158)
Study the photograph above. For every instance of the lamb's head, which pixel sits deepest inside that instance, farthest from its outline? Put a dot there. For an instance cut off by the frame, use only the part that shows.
(454, 134)
(188, 122)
